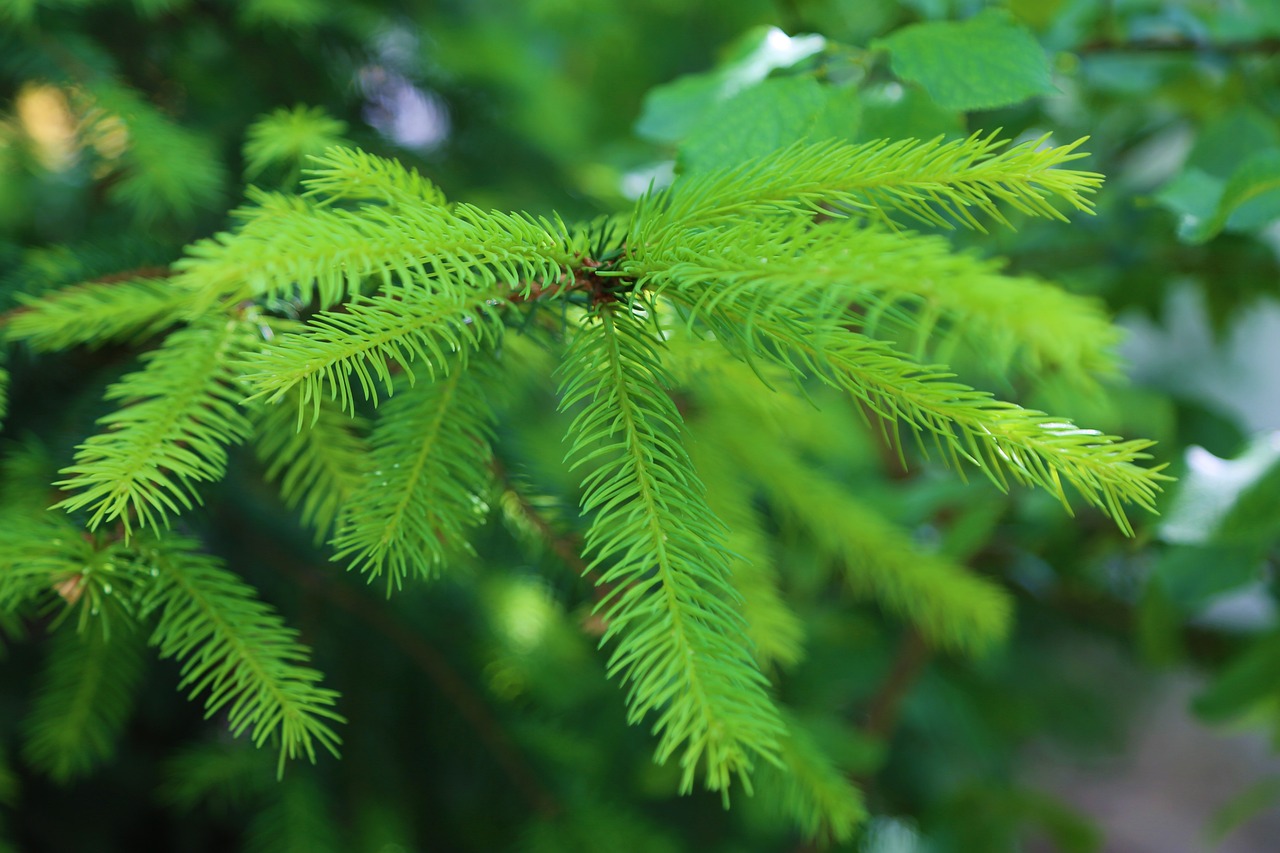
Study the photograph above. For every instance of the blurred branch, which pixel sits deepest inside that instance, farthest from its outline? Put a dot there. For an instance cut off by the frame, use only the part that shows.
(1264, 46)
(885, 707)
(434, 665)
(113, 278)
(566, 546)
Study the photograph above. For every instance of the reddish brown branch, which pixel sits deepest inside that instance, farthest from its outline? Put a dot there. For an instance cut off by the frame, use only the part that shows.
(914, 654)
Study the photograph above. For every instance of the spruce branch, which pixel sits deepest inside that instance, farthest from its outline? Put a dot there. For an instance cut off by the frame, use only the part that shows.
(297, 819)
(811, 790)
(84, 698)
(422, 485)
(287, 137)
(349, 173)
(317, 462)
(470, 706)
(682, 646)
(936, 183)
(285, 243)
(950, 605)
(776, 632)
(235, 650)
(371, 338)
(180, 412)
(167, 169)
(1005, 441)
(97, 313)
(910, 286)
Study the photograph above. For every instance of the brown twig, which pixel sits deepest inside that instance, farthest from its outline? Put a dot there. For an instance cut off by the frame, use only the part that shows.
(914, 654)
(566, 546)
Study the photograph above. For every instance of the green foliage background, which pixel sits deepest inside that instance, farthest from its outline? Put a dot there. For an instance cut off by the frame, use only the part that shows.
(210, 210)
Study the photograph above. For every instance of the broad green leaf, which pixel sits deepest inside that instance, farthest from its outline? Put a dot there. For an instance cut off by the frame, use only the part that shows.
(1252, 678)
(1244, 20)
(1230, 139)
(1194, 195)
(899, 112)
(982, 63)
(670, 112)
(768, 117)
(1250, 198)
(1191, 575)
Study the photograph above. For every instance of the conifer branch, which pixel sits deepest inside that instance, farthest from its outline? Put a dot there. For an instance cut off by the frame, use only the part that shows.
(682, 646)
(948, 604)
(317, 462)
(775, 630)
(566, 546)
(45, 557)
(298, 819)
(287, 137)
(422, 485)
(286, 243)
(914, 287)
(167, 169)
(236, 651)
(812, 790)
(349, 173)
(935, 183)
(219, 774)
(85, 696)
(470, 706)
(97, 313)
(372, 337)
(181, 410)
(1003, 440)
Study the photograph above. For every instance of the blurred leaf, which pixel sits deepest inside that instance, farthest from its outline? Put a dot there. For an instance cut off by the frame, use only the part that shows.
(1245, 19)
(982, 63)
(1251, 197)
(767, 117)
(1190, 575)
(1252, 801)
(670, 112)
(1227, 141)
(904, 112)
(1211, 501)
(1251, 678)
(1193, 194)
(1158, 626)
(1036, 13)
